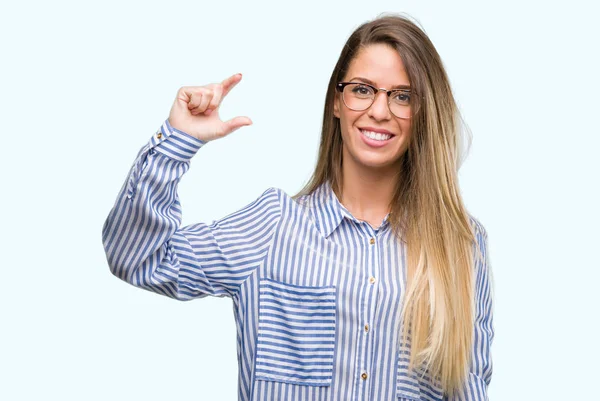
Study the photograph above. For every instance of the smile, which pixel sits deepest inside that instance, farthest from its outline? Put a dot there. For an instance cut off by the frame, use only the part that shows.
(376, 135)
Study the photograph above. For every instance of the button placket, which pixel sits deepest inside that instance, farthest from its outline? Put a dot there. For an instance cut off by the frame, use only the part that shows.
(371, 304)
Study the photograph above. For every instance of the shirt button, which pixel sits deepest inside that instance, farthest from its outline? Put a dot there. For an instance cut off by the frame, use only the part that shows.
(372, 241)
(371, 279)
(159, 135)
(364, 375)
(366, 328)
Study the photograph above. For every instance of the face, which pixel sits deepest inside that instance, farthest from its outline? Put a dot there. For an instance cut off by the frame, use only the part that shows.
(381, 66)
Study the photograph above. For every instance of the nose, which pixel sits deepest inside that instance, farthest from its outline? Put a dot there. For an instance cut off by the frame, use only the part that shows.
(379, 110)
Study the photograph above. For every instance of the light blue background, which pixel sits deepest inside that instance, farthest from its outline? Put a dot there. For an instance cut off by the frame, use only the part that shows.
(85, 84)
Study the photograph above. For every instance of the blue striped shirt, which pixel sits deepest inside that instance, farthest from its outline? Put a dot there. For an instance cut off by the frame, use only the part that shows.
(316, 291)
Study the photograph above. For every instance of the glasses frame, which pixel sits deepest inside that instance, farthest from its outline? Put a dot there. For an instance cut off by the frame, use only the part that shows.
(341, 85)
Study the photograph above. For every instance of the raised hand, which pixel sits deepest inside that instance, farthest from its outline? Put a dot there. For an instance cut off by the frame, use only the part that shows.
(195, 110)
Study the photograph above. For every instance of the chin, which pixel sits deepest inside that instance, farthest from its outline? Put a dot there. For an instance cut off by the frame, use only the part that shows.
(371, 160)
(379, 165)
(376, 162)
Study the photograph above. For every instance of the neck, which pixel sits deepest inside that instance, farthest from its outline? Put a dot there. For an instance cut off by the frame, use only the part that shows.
(367, 192)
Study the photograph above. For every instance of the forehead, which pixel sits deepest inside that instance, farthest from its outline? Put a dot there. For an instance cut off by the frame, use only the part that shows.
(379, 63)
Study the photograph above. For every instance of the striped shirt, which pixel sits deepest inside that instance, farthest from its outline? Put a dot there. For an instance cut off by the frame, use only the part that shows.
(316, 291)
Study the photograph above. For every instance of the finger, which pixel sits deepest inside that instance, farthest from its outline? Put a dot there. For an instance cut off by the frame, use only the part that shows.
(194, 99)
(230, 82)
(206, 97)
(205, 101)
(216, 98)
(235, 123)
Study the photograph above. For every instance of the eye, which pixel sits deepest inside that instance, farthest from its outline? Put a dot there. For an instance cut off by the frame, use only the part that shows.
(401, 97)
(361, 90)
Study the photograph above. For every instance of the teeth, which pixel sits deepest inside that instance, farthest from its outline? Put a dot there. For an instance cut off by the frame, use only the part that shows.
(376, 135)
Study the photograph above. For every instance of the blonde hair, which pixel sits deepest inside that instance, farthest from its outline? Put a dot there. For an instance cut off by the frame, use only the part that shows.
(427, 210)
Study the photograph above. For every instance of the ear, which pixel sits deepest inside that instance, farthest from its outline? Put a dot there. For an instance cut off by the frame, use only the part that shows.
(336, 106)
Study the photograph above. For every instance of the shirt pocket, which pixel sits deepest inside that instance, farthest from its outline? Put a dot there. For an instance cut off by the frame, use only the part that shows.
(296, 333)
(414, 386)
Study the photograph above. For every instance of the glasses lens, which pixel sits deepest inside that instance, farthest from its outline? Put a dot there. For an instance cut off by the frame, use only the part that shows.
(358, 96)
(400, 104)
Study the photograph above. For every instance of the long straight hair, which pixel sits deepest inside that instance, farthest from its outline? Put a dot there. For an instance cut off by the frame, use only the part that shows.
(427, 211)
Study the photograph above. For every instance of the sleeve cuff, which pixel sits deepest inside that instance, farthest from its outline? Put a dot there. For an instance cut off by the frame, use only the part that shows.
(174, 143)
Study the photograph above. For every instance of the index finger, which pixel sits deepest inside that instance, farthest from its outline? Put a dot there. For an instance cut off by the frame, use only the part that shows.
(230, 82)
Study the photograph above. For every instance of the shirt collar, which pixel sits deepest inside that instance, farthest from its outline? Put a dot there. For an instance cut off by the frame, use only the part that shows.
(328, 212)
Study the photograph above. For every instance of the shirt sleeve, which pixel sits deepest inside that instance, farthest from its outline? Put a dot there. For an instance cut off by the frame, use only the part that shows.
(146, 247)
(480, 372)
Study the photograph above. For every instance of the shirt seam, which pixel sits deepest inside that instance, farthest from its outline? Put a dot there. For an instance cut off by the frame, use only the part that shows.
(268, 252)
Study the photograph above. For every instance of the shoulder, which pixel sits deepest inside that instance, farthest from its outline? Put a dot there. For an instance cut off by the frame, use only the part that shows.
(284, 198)
(480, 243)
(292, 207)
(266, 203)
(270, 198)
(478, 228)
(272, 192)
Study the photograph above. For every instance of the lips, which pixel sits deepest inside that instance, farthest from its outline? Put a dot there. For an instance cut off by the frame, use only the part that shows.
(375, 129)
(376, 136)
(375, 139)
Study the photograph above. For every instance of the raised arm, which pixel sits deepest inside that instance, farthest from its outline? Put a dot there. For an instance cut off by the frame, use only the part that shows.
(142, 237)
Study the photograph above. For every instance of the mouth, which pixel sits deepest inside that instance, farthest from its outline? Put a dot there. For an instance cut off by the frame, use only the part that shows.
(376, 134)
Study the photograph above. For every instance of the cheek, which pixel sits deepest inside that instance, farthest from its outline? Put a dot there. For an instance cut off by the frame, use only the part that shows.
(349, 117)
(348, 126)
(405, 126)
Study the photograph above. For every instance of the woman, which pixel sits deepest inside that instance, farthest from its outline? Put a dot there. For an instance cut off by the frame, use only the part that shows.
(372, 283)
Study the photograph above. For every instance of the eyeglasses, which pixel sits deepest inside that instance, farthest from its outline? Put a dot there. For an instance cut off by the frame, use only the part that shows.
(359, 96)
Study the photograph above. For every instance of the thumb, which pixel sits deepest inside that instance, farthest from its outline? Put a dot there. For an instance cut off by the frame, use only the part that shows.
(236, 123)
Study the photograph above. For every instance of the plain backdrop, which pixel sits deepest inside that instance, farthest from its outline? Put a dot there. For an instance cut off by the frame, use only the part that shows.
(84, 85)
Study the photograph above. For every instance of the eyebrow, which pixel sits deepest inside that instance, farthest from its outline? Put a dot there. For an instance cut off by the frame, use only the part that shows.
(373, 83)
